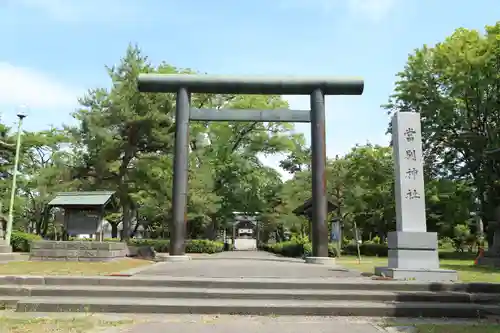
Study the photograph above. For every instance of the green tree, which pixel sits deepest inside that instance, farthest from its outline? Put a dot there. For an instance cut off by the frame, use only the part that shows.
(119, 127)
(371, 195)
(45, 169)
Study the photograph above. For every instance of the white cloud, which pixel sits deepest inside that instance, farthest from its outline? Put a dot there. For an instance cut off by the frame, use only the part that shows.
(19, 85)
(47, 99)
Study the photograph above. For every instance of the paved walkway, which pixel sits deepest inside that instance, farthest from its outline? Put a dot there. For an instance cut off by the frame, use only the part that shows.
(252, 324)
(252, 264)
(161, 323)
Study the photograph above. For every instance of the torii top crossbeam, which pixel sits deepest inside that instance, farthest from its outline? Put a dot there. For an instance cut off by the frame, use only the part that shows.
(266, 85)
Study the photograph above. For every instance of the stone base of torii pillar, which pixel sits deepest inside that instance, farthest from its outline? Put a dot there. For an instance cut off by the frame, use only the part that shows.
(413, 252)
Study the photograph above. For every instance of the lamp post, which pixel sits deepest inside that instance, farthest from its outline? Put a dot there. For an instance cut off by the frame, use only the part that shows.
(21, 115)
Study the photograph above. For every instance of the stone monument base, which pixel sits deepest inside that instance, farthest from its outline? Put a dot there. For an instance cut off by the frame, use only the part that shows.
(429, 275)
(77, 251)
(5, 248)
(414, 255)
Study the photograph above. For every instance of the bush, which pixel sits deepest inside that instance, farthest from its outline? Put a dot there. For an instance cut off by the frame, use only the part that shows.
(162, 245)
(445, 243)
(369, 249)
(192, 246)
(21, 241)
(76, 239)
(461, 233)
(374, 250)
(350, 249)
(297, 247)
(376, 240)
(204, 246)
(159, 245)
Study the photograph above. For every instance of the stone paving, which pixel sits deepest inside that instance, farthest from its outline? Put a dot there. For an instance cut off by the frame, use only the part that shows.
(251, 324)
(251, 264)
(159, 323)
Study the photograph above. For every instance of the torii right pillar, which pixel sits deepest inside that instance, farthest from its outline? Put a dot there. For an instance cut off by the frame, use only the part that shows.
(413, 252)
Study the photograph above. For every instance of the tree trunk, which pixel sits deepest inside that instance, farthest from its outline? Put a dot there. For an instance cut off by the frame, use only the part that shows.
(45, 220)
(126, 217)
(213, 227)
(114, 230)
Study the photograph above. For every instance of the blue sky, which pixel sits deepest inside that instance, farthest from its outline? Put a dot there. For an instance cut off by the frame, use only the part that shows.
(54, 50)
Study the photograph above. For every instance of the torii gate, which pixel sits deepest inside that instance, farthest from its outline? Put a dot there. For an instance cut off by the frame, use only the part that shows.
(317, 87)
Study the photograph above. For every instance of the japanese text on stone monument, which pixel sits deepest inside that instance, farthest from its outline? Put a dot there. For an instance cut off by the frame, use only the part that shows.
(412, 171)
(410, 194)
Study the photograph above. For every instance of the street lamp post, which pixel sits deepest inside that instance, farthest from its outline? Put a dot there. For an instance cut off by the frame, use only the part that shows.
(8, 232)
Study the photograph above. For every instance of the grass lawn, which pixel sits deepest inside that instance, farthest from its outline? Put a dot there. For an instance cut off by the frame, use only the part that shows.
(450, 328)
(69, 267)
(49, 325)
(455, 328)
(467, 272)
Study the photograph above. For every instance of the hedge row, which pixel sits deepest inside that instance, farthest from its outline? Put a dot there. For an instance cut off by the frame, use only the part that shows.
(21, 241)
(192, 246)
(368, 249)
(296, 249)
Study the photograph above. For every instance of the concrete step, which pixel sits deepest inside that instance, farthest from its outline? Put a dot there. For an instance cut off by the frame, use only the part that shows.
(251, 283)
(8, 302)
(254, 307)
(269, 294)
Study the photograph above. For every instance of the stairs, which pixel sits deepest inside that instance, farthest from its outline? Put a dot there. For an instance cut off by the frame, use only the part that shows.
(250, 296)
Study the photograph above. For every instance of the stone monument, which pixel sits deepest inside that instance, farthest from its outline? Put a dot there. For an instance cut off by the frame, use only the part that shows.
(413, 252)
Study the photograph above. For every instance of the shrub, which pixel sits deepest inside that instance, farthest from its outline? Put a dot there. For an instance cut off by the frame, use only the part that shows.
(350, 249)
(333, 251)
(159, 245)
(162, 245)
(461, 235)
(204, 246)
(376, 240)
(445, 243)
(21, 241)
(192, 246)
(374, 250)
(369, 249)
(297, 247)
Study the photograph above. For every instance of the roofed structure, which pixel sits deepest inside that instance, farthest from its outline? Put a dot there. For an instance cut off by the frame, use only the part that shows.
(306, 208)
(82, 199)
(83, 211)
